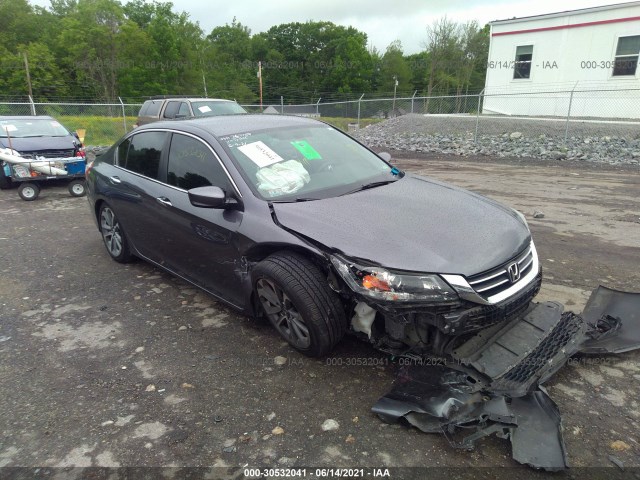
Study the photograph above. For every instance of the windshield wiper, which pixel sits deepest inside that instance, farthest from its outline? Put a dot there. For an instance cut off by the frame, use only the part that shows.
(367, 186)
(294, 200)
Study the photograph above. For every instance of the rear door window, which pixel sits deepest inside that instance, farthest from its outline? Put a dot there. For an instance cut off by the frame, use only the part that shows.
(123, 149)
(184, 110)
(171, 109)
(144, 153)
(192, 164)
(145, 107)
(153, 108)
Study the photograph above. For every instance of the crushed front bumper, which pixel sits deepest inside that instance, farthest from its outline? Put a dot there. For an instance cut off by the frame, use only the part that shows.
(493, 382)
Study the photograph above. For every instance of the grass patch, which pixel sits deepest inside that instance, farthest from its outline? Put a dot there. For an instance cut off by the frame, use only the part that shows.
(99, 130)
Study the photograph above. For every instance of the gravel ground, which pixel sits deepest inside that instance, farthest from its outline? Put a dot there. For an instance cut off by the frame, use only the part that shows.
(107, 365)
(505, 137)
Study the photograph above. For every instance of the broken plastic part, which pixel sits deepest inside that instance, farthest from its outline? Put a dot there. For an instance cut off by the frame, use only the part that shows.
(442, 400)
(363, 318)
(494, 384)
(605, 304)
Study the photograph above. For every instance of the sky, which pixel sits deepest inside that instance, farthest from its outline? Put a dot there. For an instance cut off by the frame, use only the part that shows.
(382, 21)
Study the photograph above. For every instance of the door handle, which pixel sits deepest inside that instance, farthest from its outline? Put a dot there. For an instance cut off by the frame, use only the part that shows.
(115, 180)
(164, 201)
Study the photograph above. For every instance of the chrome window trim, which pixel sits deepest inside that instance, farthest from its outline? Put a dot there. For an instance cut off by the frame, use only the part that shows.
(169, 130)
(466, 292)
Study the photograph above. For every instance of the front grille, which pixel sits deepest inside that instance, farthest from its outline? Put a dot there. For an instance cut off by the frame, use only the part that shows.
(491, 283)
(468, 319)
(484, 316)
(49, 154)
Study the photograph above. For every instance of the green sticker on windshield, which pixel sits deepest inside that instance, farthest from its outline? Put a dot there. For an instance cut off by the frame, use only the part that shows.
(306, 150)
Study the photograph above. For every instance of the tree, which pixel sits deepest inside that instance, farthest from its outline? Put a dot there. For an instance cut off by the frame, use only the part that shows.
(441, 45)
(230, 70)
(394, 68)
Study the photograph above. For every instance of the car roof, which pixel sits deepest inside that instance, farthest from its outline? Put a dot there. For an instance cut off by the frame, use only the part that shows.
(26, 117)
(191, 99)
(222, 125)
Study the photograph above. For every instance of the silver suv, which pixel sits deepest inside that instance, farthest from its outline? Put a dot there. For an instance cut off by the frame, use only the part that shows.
(168, 108)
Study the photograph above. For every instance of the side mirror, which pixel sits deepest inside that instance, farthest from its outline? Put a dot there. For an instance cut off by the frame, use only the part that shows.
(212, 197)
(386, 156)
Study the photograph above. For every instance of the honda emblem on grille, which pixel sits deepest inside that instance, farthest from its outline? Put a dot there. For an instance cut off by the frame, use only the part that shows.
(513, 271)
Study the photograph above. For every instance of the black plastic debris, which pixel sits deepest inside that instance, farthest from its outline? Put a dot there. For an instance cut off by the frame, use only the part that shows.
(493, 382)
(606, 307)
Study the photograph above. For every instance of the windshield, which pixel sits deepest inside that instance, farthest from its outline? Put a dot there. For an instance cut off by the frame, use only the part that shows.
(37, 127)
(306, 163)
(208, 109)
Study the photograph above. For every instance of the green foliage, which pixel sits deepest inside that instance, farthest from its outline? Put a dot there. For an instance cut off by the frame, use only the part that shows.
(99, 50)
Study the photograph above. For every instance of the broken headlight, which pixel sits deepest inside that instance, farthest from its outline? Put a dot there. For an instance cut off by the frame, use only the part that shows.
(381, 284)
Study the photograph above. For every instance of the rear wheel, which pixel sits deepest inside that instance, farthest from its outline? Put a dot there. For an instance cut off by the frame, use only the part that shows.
(77, 188)
(297, 300)
(28, 191)
(113, 235)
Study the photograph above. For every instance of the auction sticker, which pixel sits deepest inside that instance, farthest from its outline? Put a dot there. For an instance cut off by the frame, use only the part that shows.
(260, 154)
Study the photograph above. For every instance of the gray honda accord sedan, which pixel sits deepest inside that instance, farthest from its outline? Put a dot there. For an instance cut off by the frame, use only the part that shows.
(291, 219)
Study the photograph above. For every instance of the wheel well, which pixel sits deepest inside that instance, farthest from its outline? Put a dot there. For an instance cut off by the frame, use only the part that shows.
(97, 207)
(259, 253)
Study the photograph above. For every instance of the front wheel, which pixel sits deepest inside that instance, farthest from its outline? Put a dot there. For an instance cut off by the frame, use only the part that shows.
(77, 188)
(297, 300)
(113, 235)
(28, 191)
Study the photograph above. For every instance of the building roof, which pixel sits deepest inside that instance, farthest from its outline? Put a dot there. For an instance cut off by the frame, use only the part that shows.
(566, 13)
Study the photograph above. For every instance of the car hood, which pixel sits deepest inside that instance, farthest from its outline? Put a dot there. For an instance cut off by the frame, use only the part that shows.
(414, 224)
(33, 144)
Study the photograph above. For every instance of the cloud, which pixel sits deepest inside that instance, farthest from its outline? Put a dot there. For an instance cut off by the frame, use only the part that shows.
(382, 20)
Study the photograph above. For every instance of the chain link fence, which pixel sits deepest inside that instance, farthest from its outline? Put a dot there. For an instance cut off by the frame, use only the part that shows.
(567, 116)
(101, 123)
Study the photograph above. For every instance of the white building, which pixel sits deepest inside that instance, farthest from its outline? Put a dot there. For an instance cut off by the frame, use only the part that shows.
(535, 63)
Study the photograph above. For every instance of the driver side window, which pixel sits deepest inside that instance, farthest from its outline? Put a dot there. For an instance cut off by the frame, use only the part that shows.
(192, 164)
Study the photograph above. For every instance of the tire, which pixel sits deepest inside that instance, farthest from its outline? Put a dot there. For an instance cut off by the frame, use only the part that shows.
(296, 298)
(77, 188)
(28, 191)
(113, 235)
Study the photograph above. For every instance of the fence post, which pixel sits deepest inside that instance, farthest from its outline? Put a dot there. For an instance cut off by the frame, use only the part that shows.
(281, 104)
(124, 116)
(566, 128)
(32, 105)
(317, 106)
(475, 137)
(359, 100)
(414, 96)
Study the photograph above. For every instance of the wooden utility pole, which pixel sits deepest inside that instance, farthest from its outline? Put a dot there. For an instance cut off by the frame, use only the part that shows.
(26, 67)
(260, 78)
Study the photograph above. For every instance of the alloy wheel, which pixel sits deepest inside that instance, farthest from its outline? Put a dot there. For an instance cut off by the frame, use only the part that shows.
(282, 313)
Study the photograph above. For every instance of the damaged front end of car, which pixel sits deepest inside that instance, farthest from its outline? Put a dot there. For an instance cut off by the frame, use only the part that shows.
(480, 349)
(413, 314)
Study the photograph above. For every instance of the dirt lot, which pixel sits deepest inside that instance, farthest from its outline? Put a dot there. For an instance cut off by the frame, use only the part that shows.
(105, 365)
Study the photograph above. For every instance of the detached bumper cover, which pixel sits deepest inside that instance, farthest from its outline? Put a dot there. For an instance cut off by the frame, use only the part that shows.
(493, 382)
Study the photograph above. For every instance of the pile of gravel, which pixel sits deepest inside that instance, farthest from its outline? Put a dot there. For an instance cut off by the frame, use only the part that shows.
(611, 143)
